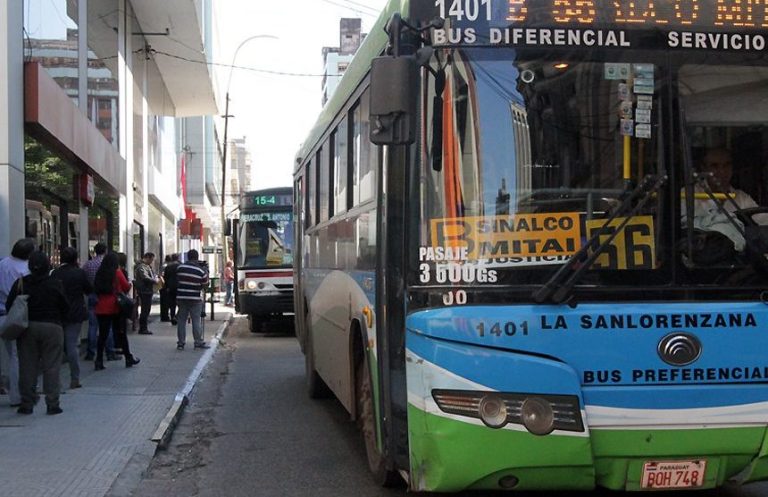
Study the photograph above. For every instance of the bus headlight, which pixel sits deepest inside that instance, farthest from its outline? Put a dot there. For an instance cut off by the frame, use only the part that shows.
(540, 414)
(537, 416)
(251, 285)
(493, 411)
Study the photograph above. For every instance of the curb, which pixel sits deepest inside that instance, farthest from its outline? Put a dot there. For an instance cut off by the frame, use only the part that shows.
(165, 429)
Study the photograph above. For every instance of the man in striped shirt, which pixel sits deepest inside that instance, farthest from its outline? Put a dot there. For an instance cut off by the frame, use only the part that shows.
(192, 277)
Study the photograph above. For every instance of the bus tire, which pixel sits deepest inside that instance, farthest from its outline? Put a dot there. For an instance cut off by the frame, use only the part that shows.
(366, 420)
(316, 387)
(254, 322)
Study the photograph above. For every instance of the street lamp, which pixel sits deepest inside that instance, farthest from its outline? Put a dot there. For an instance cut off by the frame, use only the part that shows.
(225, 248)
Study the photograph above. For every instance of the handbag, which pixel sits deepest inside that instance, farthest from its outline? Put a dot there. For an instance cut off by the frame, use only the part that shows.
(17, 320)
(125, 303)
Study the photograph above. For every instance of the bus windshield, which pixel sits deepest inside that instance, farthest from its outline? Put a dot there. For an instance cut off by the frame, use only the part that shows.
(530, 153)
(265, 240)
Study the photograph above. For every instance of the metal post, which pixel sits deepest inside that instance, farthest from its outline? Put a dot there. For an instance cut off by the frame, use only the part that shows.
(225, 253)
(224, 184)
(212, 292)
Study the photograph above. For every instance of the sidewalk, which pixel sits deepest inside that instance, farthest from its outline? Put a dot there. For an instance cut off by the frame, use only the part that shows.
(107, 427)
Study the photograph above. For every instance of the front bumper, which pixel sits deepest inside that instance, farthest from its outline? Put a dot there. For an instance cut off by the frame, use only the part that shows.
(281, 303)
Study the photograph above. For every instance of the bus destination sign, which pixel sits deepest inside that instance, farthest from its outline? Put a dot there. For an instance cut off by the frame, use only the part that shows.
(268, 200)
(687, 24)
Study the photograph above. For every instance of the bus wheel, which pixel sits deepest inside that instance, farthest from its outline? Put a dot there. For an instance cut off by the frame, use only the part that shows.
(254, 322)
(366, 420)
(316, 387)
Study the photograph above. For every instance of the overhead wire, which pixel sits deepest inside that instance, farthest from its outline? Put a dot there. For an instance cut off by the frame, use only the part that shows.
(361, 5)
(245, 68)
(349, 7)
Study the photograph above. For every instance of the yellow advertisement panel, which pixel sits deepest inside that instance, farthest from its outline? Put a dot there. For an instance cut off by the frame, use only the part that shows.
(633, 248)
(551, 235)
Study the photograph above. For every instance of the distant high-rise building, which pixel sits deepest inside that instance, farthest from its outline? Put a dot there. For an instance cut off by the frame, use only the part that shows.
(336, 59)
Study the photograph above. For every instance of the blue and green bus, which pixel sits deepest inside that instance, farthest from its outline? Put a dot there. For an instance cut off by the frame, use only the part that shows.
(497, 272)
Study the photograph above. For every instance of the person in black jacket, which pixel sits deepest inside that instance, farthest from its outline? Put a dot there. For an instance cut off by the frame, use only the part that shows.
(76, 288)
(171, 284)
(41, 345)
(144, 283)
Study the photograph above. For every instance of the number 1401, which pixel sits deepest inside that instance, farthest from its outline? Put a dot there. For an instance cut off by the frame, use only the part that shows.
(464, 9)
(509, 329)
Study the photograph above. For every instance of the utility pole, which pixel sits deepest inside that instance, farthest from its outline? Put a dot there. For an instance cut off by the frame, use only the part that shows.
(224, 243)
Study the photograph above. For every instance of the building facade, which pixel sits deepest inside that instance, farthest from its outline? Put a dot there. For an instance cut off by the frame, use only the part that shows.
(336, 59)
(96, 143)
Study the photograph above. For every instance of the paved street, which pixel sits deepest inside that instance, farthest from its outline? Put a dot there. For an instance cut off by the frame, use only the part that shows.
(250, 430)
(103, 441)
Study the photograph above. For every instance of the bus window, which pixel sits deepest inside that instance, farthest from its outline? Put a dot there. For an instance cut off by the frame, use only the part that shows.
(323, 181)
(724, 106)
(340, 167)
(536, 155)
(365, 154)
(266, 242)
(311, 208)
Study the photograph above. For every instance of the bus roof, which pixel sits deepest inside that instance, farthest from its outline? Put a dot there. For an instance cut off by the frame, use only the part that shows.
(372, 46)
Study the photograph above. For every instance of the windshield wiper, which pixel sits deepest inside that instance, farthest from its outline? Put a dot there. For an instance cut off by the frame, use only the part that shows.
(558, 288)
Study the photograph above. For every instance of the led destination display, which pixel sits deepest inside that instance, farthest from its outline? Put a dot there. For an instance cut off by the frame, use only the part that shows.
(705, 15)
(733, 25)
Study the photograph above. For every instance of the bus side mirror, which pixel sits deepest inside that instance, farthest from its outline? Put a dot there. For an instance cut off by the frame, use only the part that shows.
(394, 96)
(228, 228)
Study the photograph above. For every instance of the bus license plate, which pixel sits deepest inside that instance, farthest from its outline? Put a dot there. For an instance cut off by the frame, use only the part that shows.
(673, 474)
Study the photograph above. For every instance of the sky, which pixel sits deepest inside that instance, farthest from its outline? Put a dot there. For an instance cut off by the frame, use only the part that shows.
(276, 112)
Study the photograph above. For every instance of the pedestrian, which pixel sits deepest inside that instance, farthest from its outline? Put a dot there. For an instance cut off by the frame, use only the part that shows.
(122, 263)
(110, 280)
(12, 268)
(90, 267)
(41, 346)
(145, 280)
(229, 282)
(171, 284)
(164, 309)
(192, 280)
(76, 288)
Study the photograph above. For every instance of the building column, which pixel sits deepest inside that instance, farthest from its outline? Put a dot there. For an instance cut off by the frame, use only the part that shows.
(11, 125)
(82, 102)
(125, 61)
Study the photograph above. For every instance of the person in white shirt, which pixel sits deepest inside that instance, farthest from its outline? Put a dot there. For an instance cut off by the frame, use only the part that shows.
(12, 268)
(708, 216)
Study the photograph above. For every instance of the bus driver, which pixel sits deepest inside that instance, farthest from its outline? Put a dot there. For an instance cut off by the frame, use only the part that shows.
(708, 216)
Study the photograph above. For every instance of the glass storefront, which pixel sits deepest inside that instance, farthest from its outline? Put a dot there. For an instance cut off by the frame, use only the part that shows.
(52, 213)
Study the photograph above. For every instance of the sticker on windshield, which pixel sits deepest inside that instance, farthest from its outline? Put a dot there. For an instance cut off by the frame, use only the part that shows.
(520, 239)
(632, 248)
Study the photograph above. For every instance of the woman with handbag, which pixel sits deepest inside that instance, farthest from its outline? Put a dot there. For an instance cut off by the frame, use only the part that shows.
(41, 346)
(110, 281)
